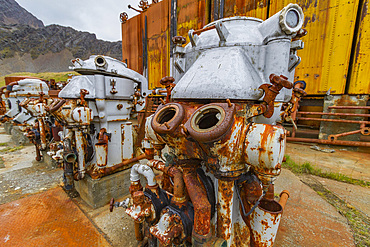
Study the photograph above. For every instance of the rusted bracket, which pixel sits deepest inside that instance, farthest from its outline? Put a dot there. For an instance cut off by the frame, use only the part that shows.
(271, 91)
(83, 93)
(169, 85)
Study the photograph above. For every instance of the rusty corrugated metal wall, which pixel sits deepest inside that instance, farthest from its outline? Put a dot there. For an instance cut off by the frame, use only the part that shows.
(132, 49)
(329, 48)
(158, 42)
(191, 14)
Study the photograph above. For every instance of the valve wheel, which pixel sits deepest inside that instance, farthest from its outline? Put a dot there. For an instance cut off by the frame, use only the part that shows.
(123, 17)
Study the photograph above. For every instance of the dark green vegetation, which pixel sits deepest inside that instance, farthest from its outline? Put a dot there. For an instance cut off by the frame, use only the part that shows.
(57, 76)
(309, 169)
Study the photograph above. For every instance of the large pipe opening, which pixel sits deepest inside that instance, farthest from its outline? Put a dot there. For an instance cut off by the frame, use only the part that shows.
(209, 119)
(166, 115)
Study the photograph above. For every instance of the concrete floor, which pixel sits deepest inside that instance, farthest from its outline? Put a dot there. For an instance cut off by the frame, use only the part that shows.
(308, 219)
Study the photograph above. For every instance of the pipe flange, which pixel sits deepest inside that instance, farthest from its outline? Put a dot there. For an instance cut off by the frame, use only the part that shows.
(210, 122)
(100, 61)
(291, 19)
(365, 131)
(168, 118)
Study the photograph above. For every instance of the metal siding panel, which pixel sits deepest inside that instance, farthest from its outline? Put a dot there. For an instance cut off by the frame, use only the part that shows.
(131, 43)
(191, 14)
(158, 42)
(250, 8)
(325, 58)
(360, 83)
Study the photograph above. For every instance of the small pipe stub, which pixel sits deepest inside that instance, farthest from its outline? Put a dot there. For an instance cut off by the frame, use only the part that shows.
(284, 195)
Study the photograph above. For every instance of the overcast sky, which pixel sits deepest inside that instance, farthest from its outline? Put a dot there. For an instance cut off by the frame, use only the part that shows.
(95, 16)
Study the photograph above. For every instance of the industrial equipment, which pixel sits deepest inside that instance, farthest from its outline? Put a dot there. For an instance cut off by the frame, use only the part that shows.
(222, 128)
(97, 110)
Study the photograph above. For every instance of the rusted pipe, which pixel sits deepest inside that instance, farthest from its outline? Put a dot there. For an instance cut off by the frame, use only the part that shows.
(199, 31)
(55, 106)
(42, 134)
(350, 107)
(101, 172)
(333, 114)
(284, 195)
(25, 102)
(343, 143)
(9, 88)
(2, 91)
(139, 231)
(202, 207)
(179, 196)
(38, 153)
(334, 120)
(334, 137)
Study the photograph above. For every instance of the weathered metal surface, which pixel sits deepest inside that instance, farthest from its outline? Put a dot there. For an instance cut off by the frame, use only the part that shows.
(132, 43)
(264, 223)
(243, 60)
(251, 8)
(191, 14)
(158, 23)
(326, 55)
(47, 219)
(359, 82)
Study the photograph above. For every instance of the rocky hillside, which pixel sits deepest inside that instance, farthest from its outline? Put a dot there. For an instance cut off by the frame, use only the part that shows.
(26, 45)
(12, 13)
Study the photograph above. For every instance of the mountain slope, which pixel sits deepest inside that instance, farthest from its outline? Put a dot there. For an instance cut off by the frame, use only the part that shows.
(12, 13)
(29, 46)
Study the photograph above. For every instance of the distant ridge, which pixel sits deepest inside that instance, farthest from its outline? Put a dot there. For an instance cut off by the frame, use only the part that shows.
(26, 45)
(12, 13)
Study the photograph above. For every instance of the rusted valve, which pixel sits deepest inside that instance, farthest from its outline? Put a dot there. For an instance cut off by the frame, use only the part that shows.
(123, 17)
(169, 85)
(301, 33)
(83, 93)
(178, 40)
(271, 91)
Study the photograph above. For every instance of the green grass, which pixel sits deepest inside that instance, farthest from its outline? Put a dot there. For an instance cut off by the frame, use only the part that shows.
(309, 169)
(2, 144)
(57, 76)
(11, 149)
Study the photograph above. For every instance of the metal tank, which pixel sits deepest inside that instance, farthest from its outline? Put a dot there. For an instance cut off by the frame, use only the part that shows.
(223, 131)
(97, 110)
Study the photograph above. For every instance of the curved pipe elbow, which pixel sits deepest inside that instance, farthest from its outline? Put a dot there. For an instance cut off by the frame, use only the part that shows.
(146, 171)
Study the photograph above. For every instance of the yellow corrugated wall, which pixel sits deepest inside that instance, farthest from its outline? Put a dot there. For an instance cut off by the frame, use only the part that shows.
(250, 8)
(191, 14)
(325, 58)
(360, 79)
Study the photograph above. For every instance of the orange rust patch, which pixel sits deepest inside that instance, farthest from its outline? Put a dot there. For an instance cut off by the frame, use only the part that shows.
(47, 219)
(241, 235)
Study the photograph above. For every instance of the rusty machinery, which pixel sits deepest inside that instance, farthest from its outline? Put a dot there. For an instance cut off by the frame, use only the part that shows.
(222, 128)
(97, 110)
(15, 93)
(26, 99)
(43, 133)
